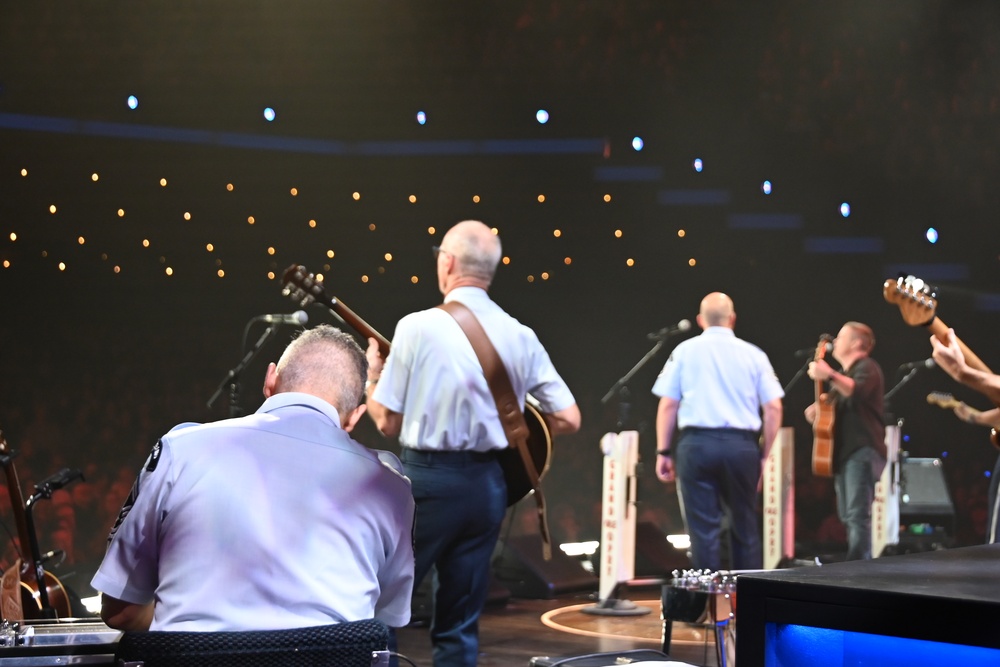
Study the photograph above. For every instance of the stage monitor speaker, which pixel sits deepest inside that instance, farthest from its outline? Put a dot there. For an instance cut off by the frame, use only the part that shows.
(923, 494)
(654, 556)
(518, 565)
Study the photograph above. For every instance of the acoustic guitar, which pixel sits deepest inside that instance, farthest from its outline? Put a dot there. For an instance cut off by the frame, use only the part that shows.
(917, 302)
(949, 402)
(305, 288)
(42, 594)
(822, 454)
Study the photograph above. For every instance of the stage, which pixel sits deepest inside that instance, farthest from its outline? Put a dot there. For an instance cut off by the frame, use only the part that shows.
(512, 633)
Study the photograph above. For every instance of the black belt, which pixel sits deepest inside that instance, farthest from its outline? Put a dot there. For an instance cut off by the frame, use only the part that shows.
(723, 429)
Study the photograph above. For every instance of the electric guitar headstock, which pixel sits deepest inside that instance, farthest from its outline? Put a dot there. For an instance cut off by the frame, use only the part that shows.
(942, 400)
(916, 299)
(306, 288)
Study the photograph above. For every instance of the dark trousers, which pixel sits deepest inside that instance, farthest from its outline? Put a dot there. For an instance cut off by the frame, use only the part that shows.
(717, 472)
(854, 485)
(461, 501)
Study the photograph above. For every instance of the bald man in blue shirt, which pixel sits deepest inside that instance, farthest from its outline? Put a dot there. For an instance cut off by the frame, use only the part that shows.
(717, 394)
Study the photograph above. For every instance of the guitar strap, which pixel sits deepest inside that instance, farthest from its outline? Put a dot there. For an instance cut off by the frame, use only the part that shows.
(508, 408)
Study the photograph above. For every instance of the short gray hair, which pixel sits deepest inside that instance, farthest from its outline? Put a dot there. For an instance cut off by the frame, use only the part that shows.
(326, 362)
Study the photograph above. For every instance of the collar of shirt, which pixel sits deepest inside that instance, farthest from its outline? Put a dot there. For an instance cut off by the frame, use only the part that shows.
(719, 331)
(467, 295)
(289, 398)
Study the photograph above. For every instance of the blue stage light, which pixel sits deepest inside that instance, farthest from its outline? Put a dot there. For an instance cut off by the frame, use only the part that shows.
(698, 164)
(421, 118)
(542, 116)
(765, 187)
(845, 209)
(637, 143)
(133, 102)
(932, 235)
(269, 114)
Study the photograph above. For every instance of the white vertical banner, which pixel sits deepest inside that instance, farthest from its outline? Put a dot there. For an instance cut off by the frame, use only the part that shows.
(779, 499)
(885, 506)
(621, 454)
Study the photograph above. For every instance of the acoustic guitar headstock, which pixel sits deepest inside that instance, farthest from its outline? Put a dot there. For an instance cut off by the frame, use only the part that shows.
(917, 301)
(302, 286)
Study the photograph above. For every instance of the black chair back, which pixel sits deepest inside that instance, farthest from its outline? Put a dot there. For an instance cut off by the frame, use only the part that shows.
(355, 644)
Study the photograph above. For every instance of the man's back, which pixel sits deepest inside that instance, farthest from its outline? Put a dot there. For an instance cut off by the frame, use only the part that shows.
(273, 520)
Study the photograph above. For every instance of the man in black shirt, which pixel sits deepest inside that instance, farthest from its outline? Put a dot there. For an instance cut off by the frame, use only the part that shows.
(858, 431)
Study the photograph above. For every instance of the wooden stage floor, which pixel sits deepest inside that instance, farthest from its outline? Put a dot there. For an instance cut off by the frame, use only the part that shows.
(511, 634)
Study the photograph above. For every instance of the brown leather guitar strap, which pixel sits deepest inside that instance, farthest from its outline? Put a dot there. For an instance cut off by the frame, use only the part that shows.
(511, 415)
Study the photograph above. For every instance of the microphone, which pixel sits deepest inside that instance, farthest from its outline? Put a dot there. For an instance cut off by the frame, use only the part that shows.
(810, 351)
(923, 363)
(667, 332)
(299, 317)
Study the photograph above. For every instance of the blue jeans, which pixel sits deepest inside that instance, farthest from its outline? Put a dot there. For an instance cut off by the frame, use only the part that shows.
(461, 502)
(718, 471)
(854, 484)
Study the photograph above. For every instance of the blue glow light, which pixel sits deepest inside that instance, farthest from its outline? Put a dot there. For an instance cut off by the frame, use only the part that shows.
(932, 235)
(269, 114)
(133, 102)
(542, 116)
(698, 164)
(765, 187)
(845, 209)
(421, 118)
(637, 143)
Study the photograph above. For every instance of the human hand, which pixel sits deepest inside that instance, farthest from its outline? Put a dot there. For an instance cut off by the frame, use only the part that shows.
(949, 356)
(665, 468)
(375, 360)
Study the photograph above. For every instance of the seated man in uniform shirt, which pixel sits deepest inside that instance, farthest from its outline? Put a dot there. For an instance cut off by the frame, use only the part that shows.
(269, 521)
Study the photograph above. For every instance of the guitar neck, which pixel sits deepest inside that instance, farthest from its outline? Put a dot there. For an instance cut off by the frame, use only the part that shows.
(358, 324)
(940, 331)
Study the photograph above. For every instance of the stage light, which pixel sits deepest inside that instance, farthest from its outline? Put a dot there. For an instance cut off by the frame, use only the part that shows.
(133, 102)
(698, 165)
(845, 210)
(580, 548)
(932, 235)
(637, 143)
(680, 541)
(542, 116)
(269, 114)
(765, 187)
(421, 118)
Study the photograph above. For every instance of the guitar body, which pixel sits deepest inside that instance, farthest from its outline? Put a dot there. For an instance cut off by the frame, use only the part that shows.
(822, 454)
(539, 446)
(28, 576)
(31, 600)
(304, 288)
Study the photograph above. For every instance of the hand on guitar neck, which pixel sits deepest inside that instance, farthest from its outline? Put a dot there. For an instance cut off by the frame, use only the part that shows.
(917, 303)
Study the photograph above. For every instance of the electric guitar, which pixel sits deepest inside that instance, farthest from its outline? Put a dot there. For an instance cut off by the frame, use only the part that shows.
(917, 303)
(949, 402)
(822, 455)
(42, 594)
(305, 288)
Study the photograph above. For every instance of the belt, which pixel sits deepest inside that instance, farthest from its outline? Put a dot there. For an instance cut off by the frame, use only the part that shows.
(722, 429)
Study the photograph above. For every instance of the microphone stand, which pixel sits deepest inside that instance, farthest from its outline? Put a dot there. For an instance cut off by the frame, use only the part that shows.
(621, 389)
(798, 375)
(233, 376)
(906, 378)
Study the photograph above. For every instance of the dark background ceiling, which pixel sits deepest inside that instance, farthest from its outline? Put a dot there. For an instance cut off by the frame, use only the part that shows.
(890, 106)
